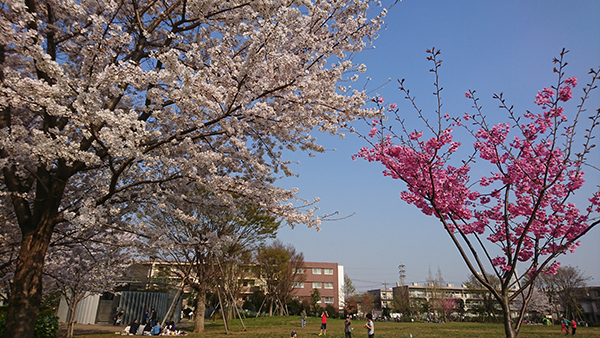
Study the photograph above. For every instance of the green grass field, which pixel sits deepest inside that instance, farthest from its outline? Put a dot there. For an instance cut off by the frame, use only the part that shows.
(281, 327)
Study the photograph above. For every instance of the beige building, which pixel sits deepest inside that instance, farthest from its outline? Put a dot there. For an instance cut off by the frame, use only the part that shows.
(422, 292)
(382, 298)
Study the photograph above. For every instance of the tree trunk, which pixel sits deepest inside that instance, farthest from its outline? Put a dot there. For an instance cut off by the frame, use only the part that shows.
(71, 322)
(508, 329)
(26, 293)
(36, 231)
(200, 309)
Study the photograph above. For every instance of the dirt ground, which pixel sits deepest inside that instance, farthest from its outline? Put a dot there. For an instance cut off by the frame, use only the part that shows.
(83, 329)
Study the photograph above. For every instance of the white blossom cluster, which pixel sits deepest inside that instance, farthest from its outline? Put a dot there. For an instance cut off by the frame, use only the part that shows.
(109, 106)
(134, 95)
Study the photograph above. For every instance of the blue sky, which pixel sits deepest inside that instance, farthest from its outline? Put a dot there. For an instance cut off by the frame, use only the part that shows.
(488, 46)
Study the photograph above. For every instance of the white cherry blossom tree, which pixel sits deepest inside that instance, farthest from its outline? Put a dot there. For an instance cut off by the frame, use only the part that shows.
(105, 106)
(79, 268)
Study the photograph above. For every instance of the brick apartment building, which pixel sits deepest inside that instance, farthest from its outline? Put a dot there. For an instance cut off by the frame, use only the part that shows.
(328, 278)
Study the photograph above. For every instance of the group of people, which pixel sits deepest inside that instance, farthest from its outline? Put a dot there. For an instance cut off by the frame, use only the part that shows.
(369, 325)
(149, 326)
(153, 329)
(147, 329)
(565, 324)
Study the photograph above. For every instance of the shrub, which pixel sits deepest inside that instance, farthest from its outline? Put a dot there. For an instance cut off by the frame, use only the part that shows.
(45, 327)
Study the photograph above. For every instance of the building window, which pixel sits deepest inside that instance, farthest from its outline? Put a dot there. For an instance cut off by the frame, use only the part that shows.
(328, 271)
(316, 271)
(298, 285)
(328, 285)
(328, 300)
(316, 285)
(299, 271)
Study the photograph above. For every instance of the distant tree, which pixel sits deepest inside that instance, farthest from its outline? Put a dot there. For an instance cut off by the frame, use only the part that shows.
(254, 301)
(402, 302)
(567, 285)
(487, 305)
(294, 306)
(349, 288)
(279, 266)
(351, 305)
(367, 303)
(435, 293)
(331, 310)
(446, 306)
(426, 307)
(538, 306)
(460, 308)
(315, 298)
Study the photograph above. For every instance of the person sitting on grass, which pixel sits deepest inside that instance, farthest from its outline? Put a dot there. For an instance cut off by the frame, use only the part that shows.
(156, 330)
(133, 327)
(147, 328)
(293, 334)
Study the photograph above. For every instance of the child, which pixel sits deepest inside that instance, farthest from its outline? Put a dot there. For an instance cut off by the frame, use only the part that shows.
(324, 316)
(564, 325)
(347, 328)
(369, 326)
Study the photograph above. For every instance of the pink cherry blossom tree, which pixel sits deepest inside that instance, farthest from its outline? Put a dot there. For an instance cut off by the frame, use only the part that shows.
(107, 106)
(446, 306)
(517, 221)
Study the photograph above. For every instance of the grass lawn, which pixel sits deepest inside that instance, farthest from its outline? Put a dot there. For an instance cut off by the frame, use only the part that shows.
(281, 327)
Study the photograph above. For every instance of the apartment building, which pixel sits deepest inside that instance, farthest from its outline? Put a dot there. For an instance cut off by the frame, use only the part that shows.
(328, 278)
(422, 292)
(382, 298)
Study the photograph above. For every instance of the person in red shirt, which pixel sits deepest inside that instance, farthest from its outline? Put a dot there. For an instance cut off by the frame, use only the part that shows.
(573, 327)
(324, 316)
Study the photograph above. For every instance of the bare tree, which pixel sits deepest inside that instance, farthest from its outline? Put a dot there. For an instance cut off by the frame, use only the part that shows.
(564, 288)
(367, 302)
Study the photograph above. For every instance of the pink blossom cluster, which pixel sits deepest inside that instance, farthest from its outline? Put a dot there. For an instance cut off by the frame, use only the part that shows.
(418, 167)
(524, 210)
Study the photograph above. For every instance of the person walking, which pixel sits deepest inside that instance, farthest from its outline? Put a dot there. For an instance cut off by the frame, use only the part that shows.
(573, 327)
(324, 316)
(369, 326)
(347, 328)
(303, 318)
